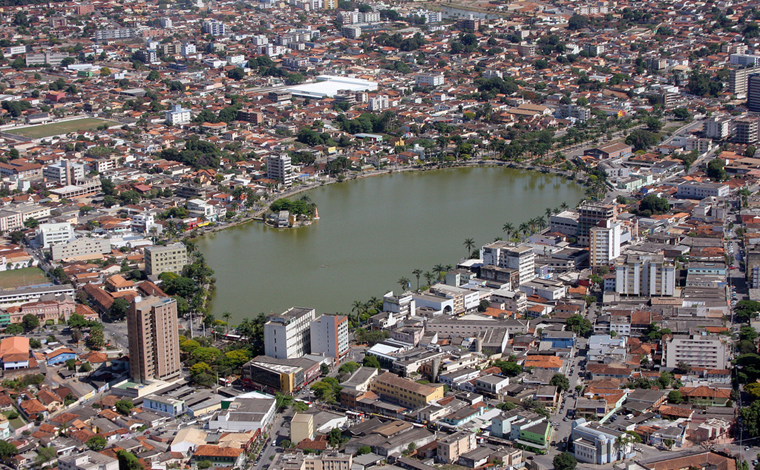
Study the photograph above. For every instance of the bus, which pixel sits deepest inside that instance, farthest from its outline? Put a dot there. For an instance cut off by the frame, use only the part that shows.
(231, 337)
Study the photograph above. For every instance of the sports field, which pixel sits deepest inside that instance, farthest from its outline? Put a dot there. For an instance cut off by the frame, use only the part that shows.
(22, 277)
(57, 128)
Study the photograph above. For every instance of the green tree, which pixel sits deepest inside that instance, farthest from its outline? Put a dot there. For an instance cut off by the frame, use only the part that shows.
(675, 397)
(7, 450)
(96, 443)
(128, 461)
(46, 454)
(559, 380)
(753, 390)
(716, 170)
(654, 204)
(300, 407)
(579, 325)
(335, 437)
(509, 368)
(565, 461)
(681, 113)
(364, 450)
(124, 406)
(118, 310)
(14, 329)
(153, 76)
(469, 243)
(371, 361)
(30, 322)
(96, 341)
(31, 222)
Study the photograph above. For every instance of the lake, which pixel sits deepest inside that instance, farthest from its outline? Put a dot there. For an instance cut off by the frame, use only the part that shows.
(372, 232)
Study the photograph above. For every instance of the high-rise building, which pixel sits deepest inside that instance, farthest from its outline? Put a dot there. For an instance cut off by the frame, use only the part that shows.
(288, 335)
(746, 129)
(717, 127)
(737, 80)
(153, 334)
(505, 255)
(279, 168)
(604, 243)
(753, 92)
(165, 259)
(706, 351)
(590, 215)
(214, 28)
(329, 336)
(645, 275)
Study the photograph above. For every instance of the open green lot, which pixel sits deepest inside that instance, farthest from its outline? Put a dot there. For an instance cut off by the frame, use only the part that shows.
(16, 422)
(57, 128)
(22, 277)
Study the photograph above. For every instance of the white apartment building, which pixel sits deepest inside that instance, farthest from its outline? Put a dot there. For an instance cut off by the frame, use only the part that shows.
(88, 460)
(188, 49)
(177, 115)
(214, 28)
(717, 128)
(54, 234)
(280, 168)
(429, 79)
(329, 336)
(707, 351)
(81, 248)
(64, 173)
(505, 255)
(288, 335)
(694, 190)
(604, 244)
(645, 275)
(566, 223)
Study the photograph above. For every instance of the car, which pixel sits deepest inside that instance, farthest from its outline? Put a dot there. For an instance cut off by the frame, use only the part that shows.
(746, 448)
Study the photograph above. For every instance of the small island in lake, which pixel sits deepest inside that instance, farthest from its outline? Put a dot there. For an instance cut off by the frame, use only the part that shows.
(284, 213)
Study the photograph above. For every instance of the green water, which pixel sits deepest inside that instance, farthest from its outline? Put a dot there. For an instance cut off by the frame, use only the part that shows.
(372, 232)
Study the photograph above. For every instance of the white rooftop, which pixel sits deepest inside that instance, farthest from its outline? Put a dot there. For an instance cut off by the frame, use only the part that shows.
(327, 86)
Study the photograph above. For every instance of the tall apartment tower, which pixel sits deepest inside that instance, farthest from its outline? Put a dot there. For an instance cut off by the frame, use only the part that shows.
(590, 215)
(737, 81)
(505, 255)
(753, 92)
(153, 334)
(329, 336)
(645, 275)
(604, 243)
(288, 335)
(279, 168)
(746, 130)
(165, 259)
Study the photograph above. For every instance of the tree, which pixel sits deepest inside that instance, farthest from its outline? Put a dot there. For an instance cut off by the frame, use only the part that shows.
(46, 454)
(753, 390)
(105, 72)
(236, 74)
(577, 22)
(7, 450)
(371, 361)
(565, 461)
(153, 76)
(716, 170)
(417, 273)
(30, 322)
(282, 402)
(509, 368)
(324, 369)
(118, 310)
(654, 204)
(128, 461)
(31, 222)
(641, 139)
(559, 380)
(124, 406)
(681, 113)
(404, 283)
(506, 406)
(579, 325)
(675, 397)
(14, 329)
(746, 310)
(96, 443)
(469, 243)
(71, 364)
(335, 437)
(364, 450)
(96, 341)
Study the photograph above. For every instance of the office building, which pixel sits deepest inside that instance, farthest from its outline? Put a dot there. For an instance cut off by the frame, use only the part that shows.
(288, 335)
(745, 59)
(753, 92)
(273, 375)
(605, 243)
(591, 215)
(645, 275)
(165, 259)
(50, 58)
(329, 336)
(64, 173)
(88, 460)
(178, 115)
(214, 28)
(596, 444)
(153, 333)
(717, 128)
(746, 130)
(506, 255)
(695, 190)
(54, 234)
(81, 248)
(280, 169)
(407, 393)
(706, 351)
(351, 32)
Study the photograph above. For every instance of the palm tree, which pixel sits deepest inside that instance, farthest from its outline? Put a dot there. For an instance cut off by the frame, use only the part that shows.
(439, 269)
(417, 273)
(508, 229)
(376, 303)
(227, 316)
(403, 282)
(429, 277)
(357, 307)
(524, 228)
(563, 206)
(541, 222)
(548, 212)
(469, 243)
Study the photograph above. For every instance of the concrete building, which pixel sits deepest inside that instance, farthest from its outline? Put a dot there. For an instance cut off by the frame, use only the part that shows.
(645, 275)
(55, 234)
(566, 223)
(214, 28)
(737, 81)
(604, 243)
(288, 335)
(329, 336)
(64, 172)
(153, 333)
(279, 168)
(597, 444)
(429, 79)
(718, 127)
(746, 129)
(51, 58)
(389, 386)
(245, 414)
(115, 33)
(707, 351)
(753, 92)
(165, 259)
(506, 255)
(177, 115)
(301, 427)
(745, 59)
(451, 447)
(88, 460)
(81, 248)
(591, 215)
(695, 190)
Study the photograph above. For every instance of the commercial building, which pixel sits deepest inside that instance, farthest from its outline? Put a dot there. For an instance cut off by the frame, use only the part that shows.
(81, 248)
(288, 335)
(245, 414)
(178, 115)
(88, 460)
(507, 255)
(54, 234)
(279, 168)
(645, 275)
(50, 58)
(746, 129)
(745, 59)
(327, 86)
(599, 445)
(390, 387)
(329, 336)
(153, 334)
(707, 351)
(273, 375)
(696, 190)
(165, 259)
(566, 223)
(604, 243)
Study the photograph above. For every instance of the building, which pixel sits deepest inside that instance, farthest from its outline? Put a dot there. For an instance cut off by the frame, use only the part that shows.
(165, 259)
(329, 336)
(707, 351)
(64, 172)
(164, 406)
(55, 234)
(280, 169)
(469, 24)
(526, 50)
(115, 33)
(214, 28)
(288, 335)
(428, 79)
(507, 255)
(746, 130)
(717, 127)
(592, 215)
(245, 414)
(15, 352)
(645, 275)
(390, 387)
(178, 115)
(351, 32)
(451, 447)
(153, 334)
(614, 151)
(273, 375)
(737, 81)
(604, 245)
(88, 460)
(597, 444)
(745, 60)
(301, 427)
(696, 190)
(82, 248)
(50, 58)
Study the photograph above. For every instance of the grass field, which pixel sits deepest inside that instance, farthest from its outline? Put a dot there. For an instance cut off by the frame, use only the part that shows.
(22, 277)
(46, 130)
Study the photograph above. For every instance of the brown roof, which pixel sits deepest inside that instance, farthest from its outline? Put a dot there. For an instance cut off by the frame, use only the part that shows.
(699, 460)
(703, 391)
(215, 451)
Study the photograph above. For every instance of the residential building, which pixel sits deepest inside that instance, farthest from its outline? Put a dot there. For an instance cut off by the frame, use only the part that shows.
(428, 79)
(115, 33)
(279, 168)
(645, 275)
(88, 460)
(753, 92)
(15, 352)
(451, 447)
(718, 127)
(737, 81)
(566, 223)
(51, 58)
(81, 248)
(592, 215)
(64, 172)
(507, 255)
(178, 115)
(745, 60)
(696, 190)
(329, 336)
(708, 351)
(214, 28)
(604, 245)
(301, 427)
(153, 334)
(389, 386)
(288, 335)
(55, 234)
(599, 445)
(746, 128)
(165, 259)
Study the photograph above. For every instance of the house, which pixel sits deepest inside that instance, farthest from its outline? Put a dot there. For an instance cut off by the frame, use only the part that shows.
(59, 356)
(219, 456)
(706, 396)
(14, 352)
